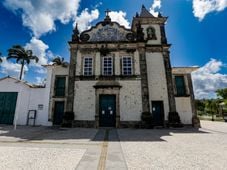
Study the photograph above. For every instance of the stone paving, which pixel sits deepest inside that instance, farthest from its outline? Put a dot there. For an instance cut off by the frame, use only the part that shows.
(79, 148)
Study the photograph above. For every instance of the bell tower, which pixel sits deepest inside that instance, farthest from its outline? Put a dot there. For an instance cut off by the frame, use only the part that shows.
(157, 79)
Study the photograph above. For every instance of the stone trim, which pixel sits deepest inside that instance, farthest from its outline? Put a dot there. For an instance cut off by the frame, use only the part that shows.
(192, 97)
(71, 80)
(107, 91)
(114, 77)
(130, 124)
(144, 81)
(169, 81)
(84, 123)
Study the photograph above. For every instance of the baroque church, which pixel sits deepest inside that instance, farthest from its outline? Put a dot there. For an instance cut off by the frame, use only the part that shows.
(115, 77)
(117, 74)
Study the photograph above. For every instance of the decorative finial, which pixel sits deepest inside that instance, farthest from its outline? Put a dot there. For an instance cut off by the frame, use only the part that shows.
(75, 36)
(107, 12)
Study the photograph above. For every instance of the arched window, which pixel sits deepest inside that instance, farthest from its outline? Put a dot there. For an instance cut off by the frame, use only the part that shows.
(151, 33)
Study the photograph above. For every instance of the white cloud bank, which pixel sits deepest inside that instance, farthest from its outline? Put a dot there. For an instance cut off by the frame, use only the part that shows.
(40, 15)
(10, 68)
(85, 18)
(202, 7)
(207, 79)
(120, 17)
(154, 7)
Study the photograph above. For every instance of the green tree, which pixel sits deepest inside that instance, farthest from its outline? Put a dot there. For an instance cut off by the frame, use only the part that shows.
(60, 61)
(222, 93)
(211, 106)
(22, 56)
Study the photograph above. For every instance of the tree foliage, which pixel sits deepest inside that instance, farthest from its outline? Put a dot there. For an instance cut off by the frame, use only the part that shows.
(222, 93)
(22, 56)
(60, 61)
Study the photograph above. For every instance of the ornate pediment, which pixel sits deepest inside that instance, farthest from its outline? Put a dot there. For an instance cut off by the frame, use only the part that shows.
(107, 32)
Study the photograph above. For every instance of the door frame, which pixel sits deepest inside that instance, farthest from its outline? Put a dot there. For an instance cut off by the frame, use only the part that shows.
(163, 110)
(53, 108)
(114, 108)
(16, 105)
(107, 91)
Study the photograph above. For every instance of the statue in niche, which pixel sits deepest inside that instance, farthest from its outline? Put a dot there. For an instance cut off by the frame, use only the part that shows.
(151, 33)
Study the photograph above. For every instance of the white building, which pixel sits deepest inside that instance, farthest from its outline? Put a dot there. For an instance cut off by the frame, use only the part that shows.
(115, 74)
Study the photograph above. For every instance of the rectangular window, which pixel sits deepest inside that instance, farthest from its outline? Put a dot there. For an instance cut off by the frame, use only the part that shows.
(127, 65)
(180, 85)
(107, 66)
(88, 63)
(60, 86)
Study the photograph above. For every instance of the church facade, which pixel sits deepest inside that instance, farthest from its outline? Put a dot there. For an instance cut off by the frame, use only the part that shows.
(116, 74)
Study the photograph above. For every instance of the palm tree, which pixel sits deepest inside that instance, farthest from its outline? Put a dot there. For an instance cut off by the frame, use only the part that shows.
(60, 61)
(0, 57)
(22, 56)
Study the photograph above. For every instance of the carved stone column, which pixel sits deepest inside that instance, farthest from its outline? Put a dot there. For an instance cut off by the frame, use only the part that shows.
(71, 81)
(144, 81)
(170, 88)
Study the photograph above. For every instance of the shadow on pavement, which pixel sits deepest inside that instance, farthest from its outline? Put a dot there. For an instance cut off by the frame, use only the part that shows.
(7, 133)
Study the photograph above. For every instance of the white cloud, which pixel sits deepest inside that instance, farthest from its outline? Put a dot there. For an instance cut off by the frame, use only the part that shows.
(85, 18)
(120, 18)
(40, 81)
(39, 49)
(202, 7)
(155, 6)
(207, 79)
(10, 68)
(40, 15)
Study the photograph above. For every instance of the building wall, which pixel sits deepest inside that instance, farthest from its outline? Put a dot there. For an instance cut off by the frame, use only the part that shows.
(52, 72)
(157, 80)
(27, 99)
(130, 101)
(84, 101)
(183, 106)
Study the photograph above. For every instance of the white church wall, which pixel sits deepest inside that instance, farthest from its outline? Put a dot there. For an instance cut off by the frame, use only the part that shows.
(79, 64)
(136, 63)
(157, 80)
(183, 106)
(130, 101)
(84, 100)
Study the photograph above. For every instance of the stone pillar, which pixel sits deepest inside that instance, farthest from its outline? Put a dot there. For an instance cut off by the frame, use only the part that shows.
(71, 80)
(169, 81)
(144, 81)
(190, 86)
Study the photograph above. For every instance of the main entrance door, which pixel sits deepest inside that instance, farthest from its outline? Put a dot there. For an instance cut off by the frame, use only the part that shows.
(58, 112)
(8, 102)
(107, 111)
(158, 113)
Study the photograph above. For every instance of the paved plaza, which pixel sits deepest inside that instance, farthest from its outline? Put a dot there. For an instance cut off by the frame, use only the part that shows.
(79, 148)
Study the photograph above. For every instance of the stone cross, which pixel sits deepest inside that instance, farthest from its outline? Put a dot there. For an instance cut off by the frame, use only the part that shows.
(107, 12)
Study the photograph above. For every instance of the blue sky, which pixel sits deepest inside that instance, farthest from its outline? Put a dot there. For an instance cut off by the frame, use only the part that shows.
(195, 28)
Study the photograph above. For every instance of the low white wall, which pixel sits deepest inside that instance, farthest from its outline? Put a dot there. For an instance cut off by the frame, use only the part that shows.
(27, 99)
(130, 101)
(183, 106)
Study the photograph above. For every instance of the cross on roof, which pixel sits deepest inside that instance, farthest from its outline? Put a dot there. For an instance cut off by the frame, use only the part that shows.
(107, 12)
